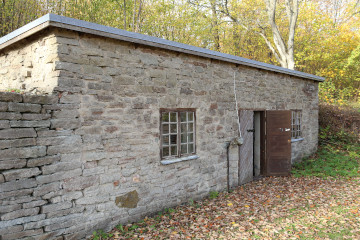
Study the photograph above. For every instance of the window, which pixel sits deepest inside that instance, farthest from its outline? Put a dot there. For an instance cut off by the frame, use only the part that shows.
(177, 133)
(296, 124)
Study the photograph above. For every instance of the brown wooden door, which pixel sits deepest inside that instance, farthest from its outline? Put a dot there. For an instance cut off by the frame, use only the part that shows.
(278, 143)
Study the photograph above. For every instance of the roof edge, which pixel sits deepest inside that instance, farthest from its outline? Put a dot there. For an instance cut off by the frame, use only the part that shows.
(97, 29)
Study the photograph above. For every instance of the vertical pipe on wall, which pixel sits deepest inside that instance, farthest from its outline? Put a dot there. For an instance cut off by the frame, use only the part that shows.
(228, 166)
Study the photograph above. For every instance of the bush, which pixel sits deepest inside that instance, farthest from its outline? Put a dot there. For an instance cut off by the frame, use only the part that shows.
(338, 124)
(339, 150)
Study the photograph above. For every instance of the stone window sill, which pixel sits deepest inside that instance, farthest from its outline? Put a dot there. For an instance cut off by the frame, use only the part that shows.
(175, 160)
(297, 140)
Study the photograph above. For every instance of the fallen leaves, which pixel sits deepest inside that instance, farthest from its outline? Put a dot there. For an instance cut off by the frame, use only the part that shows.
(271, 208)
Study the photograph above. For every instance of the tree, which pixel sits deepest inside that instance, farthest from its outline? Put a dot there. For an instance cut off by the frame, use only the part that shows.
(281, 49)
(16, 13)
(264, 23)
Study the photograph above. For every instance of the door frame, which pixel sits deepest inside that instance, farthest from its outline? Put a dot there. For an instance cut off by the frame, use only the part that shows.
(262, 137)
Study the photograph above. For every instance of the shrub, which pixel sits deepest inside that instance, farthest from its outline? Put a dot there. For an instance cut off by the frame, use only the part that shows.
(338, 124)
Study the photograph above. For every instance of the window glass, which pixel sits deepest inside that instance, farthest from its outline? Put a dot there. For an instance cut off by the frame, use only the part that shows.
(296, 124)
(165, 151)
(165, 128)
(173, 117)
(183, 116)
(165, 117)
(177, 133)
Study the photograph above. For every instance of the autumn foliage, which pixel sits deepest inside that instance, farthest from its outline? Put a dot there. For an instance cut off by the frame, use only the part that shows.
(272, 208)
(326, 41)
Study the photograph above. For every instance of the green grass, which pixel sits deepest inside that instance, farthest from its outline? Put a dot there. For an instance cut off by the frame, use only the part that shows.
(337, 159)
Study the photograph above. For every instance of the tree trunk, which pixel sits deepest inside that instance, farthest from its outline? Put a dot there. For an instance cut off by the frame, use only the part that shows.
(284, 52)
(215, 25)
(125, 27)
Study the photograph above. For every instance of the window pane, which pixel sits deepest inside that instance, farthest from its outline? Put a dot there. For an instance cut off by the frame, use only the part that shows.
(165, 117)
(165, 151)
(166, 140)
(173, 150)
(173, 139)
(190, 116)
(191, 137)
(183, 148)
(183, 138)
(191, 148)
(191, 127)
(183, 116)
(173, 128)
(165, 128)
(173, 117)
(183, 128)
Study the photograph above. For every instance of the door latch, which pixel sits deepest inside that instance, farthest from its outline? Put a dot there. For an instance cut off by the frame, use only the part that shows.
(251, 130)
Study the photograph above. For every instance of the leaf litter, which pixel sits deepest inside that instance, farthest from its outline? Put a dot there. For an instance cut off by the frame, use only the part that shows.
(270, 208)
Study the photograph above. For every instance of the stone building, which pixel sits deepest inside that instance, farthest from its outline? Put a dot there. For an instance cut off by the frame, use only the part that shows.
(115, 125)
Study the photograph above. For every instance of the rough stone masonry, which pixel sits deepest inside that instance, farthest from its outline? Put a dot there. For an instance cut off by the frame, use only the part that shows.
(83, 154)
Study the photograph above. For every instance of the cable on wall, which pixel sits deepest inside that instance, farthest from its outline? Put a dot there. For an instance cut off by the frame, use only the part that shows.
(236, 105)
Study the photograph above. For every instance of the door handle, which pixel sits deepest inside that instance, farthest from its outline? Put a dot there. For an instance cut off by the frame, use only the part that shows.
(287, 129)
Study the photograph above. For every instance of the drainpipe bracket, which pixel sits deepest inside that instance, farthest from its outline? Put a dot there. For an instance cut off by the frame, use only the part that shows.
(238, 141)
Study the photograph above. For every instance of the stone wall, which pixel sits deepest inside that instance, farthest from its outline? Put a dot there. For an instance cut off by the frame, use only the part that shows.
(29, 64)
(41, 173)
(88, 155)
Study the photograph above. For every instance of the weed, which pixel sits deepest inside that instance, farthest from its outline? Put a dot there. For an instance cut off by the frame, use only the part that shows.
(14, 90)
(120, 227)
(213, 194)
(134, 227)
(100, 234)
(169, 210)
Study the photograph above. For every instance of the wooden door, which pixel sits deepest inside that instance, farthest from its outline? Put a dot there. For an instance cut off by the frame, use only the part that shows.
(278, 143)
(246, 149)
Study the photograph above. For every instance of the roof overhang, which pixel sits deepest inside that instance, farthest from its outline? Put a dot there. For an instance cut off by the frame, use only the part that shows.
(115, 33)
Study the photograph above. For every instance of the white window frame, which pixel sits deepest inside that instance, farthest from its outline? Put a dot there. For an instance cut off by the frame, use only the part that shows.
(171, 137)
(296, 122)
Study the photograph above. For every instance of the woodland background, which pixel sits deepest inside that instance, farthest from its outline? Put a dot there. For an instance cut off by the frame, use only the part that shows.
(326, 40)
(326, 43)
